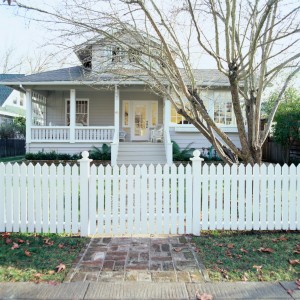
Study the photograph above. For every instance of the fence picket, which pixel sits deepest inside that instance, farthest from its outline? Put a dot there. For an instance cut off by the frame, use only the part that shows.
(23, 197)
(107, 180)
(189, 199)
(166, 197)
(144, 200)
(101, 210)
(263, 196)
(292, 203)
(151, 201)
(38, 197)
(204, 201)
(298, 197)
(122, 199)
(115, 199)
(226, 192)
(2, 197)
(130, 210)
(67, 192)
(173, 199)
(31, 199)
(60, 199)
(241, 197)
(45, 198)
(75, 202)
(181, 184)
(219, 197)
(285, 197)
(233, 198)
(92, 201)
(16, 197)
(277, 197)
(159, 199)
(256, 200)
(53, 208)
(9, 198)
(212, 197)
(137, 199)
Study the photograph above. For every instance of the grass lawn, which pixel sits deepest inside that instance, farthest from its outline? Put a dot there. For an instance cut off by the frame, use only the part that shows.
(250, 256)
(12, 159)
(36, 256)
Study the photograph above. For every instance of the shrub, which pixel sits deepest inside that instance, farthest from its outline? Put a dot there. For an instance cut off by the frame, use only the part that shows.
(51, 156)
(103, 153)
(182, 155)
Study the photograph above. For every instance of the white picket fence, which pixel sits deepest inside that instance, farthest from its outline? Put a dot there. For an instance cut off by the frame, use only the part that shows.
(154, 199)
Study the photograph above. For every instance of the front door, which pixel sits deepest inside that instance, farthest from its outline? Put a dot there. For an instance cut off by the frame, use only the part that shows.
(140, 129)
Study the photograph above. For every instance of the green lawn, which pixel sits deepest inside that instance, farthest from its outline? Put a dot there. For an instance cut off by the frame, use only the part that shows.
(12, 159)
(37, 256)
(252, 256)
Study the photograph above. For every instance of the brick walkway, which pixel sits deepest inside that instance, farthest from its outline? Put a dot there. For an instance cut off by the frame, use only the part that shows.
(159, 259)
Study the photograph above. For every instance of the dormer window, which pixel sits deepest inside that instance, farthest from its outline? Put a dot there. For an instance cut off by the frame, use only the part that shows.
(116, 54)
(134, 55)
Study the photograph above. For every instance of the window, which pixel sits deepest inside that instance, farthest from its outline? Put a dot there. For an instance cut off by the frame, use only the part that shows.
(117, 54)
(21, 99)
(176, 118)
(223, 113)
(154, 110)
(125, 114)
(82, 115)
(134, 55)
(39, 104)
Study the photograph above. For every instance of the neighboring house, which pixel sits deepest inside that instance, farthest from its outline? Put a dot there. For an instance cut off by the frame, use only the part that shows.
(12, 102)
(73, 109)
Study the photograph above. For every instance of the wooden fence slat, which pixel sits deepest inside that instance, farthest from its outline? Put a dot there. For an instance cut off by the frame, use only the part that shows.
(75, 202)
(212, 197)
(189, 199)
(227, 203)
(249, 197)
(204, 200)
(166, 197)
(123, 199)
(60, 199)
(285, 197)
(101, 210)
(16, 197)
(92, 201)
(256, 193)
(23, 197)
(263, 197)
(241, 197)
(2, 197)
(107, 180)
(31, 198)
(298, 197)
(277, 197)
(292, 203)
(38, 197)
(68, 201)
(151, 197)
(115, 199)
(271, 197)
(144, 198)
(45, 198)
(174, 199)
(137, 199)
(159, 199)
(233, 198)
(9, 197)
(181, 186)
(219, 197)
(130, 191)
(52, 192)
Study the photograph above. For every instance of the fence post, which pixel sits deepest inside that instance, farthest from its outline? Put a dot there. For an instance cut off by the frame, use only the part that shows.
(84, 193)
(196, 201)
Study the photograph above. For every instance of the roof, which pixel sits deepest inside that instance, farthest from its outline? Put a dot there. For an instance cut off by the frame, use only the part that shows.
(6, 91)
(73, 75)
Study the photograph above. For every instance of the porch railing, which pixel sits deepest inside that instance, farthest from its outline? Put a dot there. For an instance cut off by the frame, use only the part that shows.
(51, 134)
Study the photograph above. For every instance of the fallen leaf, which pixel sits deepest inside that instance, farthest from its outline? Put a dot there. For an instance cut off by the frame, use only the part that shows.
(203, 296)
(258, 268)
(230, 246)
(15, 246)
(60, 246)
(21, 241)
(220, 245)
(294, 262)
(282, 238)
(238, 256)
(48, 242)
(27, 253)
(243, 250)
(177, 249)
(219, 262)
(5, 235)
(60, 267)
(197, 250)
(296, 251)
(290, 292)
(8, 241)
(51, 272)
(260, 278)
(244, 277)
(297, 282)
(52, 282)
(228, 253)
(37, 275)
(266, 250)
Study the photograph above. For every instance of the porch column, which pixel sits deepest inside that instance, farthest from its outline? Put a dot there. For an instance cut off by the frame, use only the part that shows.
(117, 112)
(167, 113)
(72, 115)
(28, 117)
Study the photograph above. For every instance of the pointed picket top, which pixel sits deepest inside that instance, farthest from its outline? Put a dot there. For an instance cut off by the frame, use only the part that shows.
(263, 168)
(52, 169)
(220, 169)
(93, 170)
(130, 169)
(181, 169)
(256, 168)
(277, 169)
(151, 168)
(285, 169)
(188, 168)
(174, 169)
(108, 168)
(293, 169)
(205, 169)
(16, 168)
(144, 168)
(248, 169)
(75, 169)
(159, 168)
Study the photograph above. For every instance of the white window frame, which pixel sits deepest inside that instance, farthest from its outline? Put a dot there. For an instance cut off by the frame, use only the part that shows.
(123, 113)
(88, 110)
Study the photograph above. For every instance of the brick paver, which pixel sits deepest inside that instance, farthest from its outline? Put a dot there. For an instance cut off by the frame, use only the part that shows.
(142, 259)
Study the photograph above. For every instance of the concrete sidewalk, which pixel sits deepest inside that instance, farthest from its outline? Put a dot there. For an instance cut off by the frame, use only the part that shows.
(149, 290)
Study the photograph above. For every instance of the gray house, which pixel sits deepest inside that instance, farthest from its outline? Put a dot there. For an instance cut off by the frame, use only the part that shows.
(72, 109)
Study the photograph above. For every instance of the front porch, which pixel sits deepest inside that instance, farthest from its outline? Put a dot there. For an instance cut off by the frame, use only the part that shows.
(70, 121)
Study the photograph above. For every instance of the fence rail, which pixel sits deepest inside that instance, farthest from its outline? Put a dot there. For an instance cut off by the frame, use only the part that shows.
(155, 199)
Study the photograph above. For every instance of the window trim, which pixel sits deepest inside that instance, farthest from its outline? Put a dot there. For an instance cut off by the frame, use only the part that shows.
(88, 110)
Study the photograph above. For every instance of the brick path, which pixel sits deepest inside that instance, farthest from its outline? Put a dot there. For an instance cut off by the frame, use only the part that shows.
(159, 259)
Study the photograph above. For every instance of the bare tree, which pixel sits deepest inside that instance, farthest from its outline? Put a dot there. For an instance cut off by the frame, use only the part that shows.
(9, 63)
(252, 43)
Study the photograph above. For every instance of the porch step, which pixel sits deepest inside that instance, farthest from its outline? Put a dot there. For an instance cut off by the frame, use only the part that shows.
(141, 153)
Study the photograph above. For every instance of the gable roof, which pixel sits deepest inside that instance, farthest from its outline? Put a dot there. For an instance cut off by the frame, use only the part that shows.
(79, 75)
(4, 90)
